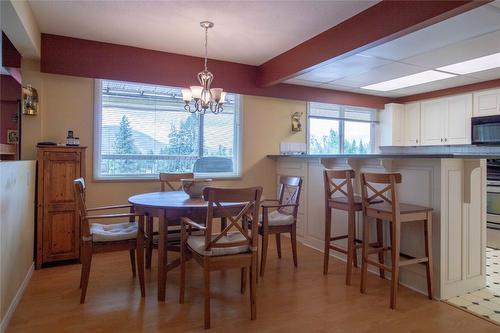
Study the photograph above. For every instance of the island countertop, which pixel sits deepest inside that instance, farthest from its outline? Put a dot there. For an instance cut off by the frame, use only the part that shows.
(368, 156)
(452, 183)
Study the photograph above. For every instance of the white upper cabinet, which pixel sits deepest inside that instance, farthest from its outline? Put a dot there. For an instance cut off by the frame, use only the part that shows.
(411, 122)
(391, 125)
(487, 103)
(458, 131)
(440, 121)
(446, 121)
(433, 121)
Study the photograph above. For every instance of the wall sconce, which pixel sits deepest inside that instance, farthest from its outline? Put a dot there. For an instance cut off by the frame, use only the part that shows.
(30, 101)
(296, 124)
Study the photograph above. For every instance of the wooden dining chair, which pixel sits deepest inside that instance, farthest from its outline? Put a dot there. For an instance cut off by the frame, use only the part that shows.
(383, 186)
(172, 181)
(280, 216)
(233, 247)
(97, 238)
(169, 182)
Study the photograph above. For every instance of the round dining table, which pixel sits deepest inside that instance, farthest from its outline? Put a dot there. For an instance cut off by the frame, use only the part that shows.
(169, 207)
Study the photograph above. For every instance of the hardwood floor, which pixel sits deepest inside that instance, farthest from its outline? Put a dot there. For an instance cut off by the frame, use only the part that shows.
(288, 299)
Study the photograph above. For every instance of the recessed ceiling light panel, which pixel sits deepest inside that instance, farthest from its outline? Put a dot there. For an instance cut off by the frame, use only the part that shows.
(409, 80)
(473, 65)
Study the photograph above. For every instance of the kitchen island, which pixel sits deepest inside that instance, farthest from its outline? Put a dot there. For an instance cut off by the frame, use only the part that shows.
(454, 185)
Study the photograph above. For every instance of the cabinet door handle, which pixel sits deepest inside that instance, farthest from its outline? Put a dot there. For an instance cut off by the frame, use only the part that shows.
(416, 141)
(445, 140)
(441, 139)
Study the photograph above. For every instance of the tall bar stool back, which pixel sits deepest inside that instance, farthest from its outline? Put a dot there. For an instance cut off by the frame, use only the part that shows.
(382, 187)
(339, 194)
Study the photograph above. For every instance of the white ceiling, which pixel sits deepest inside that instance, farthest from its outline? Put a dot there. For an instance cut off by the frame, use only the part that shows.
(470, 35)
(248, 32)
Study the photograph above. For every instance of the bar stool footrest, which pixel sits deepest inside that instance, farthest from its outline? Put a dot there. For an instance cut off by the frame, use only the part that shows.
(407, 262)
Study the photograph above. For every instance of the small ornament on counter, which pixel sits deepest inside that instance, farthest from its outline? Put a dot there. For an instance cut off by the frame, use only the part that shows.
(71, 140)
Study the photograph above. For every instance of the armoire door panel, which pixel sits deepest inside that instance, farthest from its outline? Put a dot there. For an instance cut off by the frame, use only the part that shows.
(60, 175)
(59, 240)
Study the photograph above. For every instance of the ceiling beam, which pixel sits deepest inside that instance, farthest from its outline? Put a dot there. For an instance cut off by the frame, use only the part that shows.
(376, 25)
(86, 58)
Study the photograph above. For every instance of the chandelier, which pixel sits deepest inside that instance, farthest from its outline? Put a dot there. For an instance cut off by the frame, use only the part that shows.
(201, 98)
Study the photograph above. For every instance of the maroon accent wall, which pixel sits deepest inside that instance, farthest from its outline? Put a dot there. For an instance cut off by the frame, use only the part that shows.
(79, 57)
(449, 91)
(10, 95)
(376, 25)
(10, 56)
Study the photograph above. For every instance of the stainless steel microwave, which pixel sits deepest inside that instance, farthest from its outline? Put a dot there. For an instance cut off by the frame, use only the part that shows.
(486, 130)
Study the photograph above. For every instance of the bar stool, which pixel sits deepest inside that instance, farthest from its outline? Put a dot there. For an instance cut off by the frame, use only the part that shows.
(396, 213)
(339, 194)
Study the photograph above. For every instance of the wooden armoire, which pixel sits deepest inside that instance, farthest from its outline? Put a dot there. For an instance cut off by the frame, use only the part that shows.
(58, 227)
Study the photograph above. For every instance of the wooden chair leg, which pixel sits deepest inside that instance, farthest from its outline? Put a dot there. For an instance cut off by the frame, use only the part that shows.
(350, 247)
(265, 240)
(395, 242)
(243, 280)
(206, 293)
(132, 262)
(86, 263)
(328, 230)
(81, 272)
(293, 238)
(149, 246)
(183, 250)
(355, 254)
(278, 245)
(428, 252)
(380, 243)
(364, 264)
(140, 255)
(253, 287)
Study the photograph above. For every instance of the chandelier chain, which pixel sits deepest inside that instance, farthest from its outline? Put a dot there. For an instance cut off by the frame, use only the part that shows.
(206, 47)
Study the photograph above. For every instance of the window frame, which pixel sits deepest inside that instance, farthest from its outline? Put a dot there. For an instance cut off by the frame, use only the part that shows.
(96, 144)
(342, 120)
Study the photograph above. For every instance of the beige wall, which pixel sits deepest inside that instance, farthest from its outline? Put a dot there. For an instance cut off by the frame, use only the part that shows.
(67, 103)
(17, 198)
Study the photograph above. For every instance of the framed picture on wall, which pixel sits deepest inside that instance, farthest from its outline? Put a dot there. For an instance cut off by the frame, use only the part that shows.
(12, 136)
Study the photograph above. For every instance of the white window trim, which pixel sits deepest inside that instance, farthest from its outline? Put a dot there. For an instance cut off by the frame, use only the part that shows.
(238, 142)
(373, 130)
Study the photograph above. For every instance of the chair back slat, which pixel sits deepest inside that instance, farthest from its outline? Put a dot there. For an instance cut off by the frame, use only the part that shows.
(370, 184)
(339, 183)
(81, 208)
(167, 180)
(289, 194)
(218, 200)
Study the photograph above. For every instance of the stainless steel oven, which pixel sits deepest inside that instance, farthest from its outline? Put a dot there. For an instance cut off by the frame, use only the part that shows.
(493, 204)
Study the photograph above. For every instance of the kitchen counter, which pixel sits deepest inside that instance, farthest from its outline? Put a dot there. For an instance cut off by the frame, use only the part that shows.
(368, 156)
(452, 184)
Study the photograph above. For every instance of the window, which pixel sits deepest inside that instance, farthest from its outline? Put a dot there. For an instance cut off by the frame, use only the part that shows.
(339, 129)
(142, 130)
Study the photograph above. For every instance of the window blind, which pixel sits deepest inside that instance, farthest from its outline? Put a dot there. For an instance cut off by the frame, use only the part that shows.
(342, 112)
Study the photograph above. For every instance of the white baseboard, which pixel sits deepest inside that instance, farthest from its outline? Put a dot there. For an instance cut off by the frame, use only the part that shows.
(13, 305)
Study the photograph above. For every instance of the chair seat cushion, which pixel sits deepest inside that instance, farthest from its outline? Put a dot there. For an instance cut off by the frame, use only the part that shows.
(276, 218)
(197, 244)
(113, 232)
